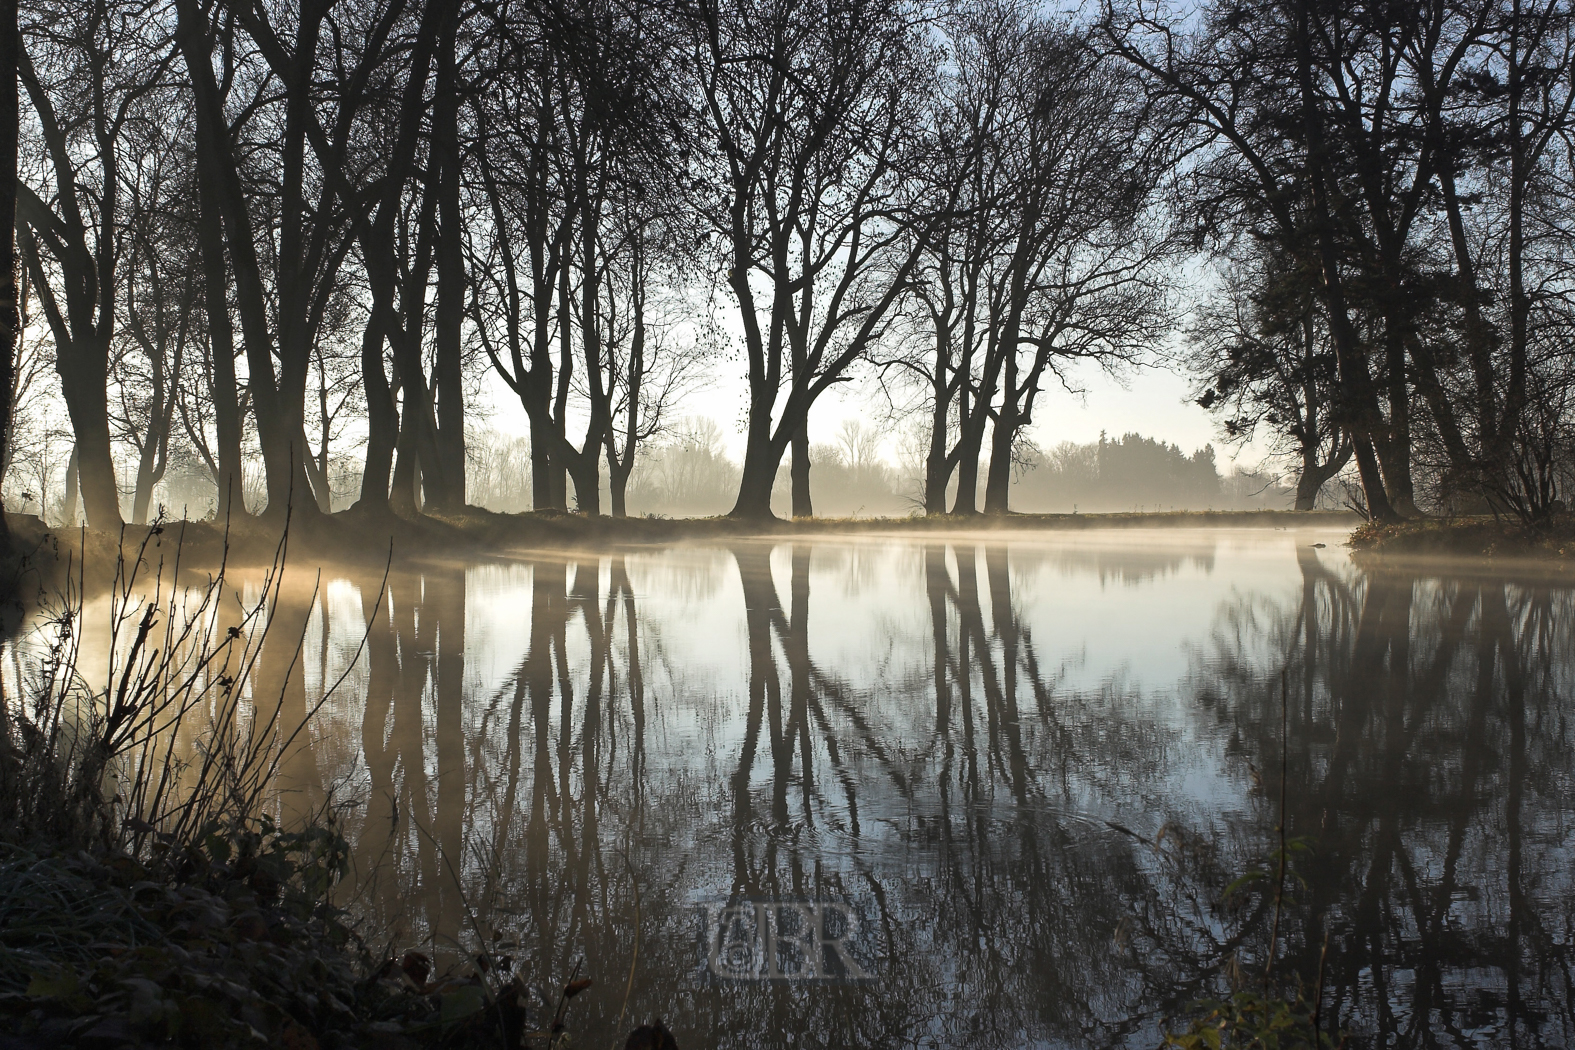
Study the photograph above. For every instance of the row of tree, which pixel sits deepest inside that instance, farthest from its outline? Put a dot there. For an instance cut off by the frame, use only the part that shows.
(252, 230)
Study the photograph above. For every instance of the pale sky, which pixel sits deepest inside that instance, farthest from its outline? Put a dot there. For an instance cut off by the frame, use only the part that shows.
(1153, 401)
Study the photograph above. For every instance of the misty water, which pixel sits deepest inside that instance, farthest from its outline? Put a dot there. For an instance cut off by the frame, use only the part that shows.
(1018, 770)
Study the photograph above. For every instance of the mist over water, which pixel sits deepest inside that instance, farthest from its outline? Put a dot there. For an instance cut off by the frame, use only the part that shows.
(1028, 765)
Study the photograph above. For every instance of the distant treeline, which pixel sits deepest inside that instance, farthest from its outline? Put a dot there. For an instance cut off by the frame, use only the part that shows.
(690, 474)
(1139, 473)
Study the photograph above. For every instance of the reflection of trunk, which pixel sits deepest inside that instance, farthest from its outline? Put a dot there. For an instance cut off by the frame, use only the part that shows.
(1005, 624)
(378, 837)
(619, 587)
(548, 612)
(760, 606)
(1495, 615)
(443, 605)
(798, 663)
(283, 707)
(936, 582)
(408, 739)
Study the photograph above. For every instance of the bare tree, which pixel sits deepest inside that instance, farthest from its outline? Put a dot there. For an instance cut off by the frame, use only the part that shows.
(71, 237)
(810, 110)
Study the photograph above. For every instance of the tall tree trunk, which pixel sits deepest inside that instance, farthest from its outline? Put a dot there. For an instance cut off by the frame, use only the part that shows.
(1314, 475)
(221, 342)
(317, 474)
(1308, 484)
(382, 414)
(762, 457)
(68, 504)
(1395, 451)
(617, 489)
(937, 470)
(142, 495)
(997, 483)
(803, 505)
(378, 248)
(586, 472)
(542, 496)
(89, 412)
(448, 492)
(403, 491)
(1360, 399)
(216, 166)
(9, 316)
(969, 447)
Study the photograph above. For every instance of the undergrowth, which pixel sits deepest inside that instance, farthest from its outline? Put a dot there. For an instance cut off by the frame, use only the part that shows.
(148, 895)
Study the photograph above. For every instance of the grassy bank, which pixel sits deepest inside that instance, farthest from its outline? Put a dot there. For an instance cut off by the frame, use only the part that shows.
(1472, 537)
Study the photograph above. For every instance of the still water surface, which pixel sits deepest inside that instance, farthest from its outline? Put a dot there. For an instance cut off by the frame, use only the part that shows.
(1022, 768)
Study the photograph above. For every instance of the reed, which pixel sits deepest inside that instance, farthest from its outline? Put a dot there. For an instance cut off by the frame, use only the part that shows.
(90, 760)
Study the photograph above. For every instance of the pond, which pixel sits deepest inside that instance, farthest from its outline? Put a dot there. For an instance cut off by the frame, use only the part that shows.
(983, 790)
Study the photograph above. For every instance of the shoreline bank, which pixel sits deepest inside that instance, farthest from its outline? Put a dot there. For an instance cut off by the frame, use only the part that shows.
(354, 535)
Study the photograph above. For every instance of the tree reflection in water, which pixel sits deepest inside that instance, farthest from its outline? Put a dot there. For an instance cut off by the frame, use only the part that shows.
(1430, 762)
(563, 754)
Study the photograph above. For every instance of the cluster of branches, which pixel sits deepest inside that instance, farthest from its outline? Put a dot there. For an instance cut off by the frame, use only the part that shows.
(1388, 187)
(253, 229)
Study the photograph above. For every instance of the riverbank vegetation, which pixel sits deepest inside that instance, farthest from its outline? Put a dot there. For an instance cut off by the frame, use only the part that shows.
(153, 892)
